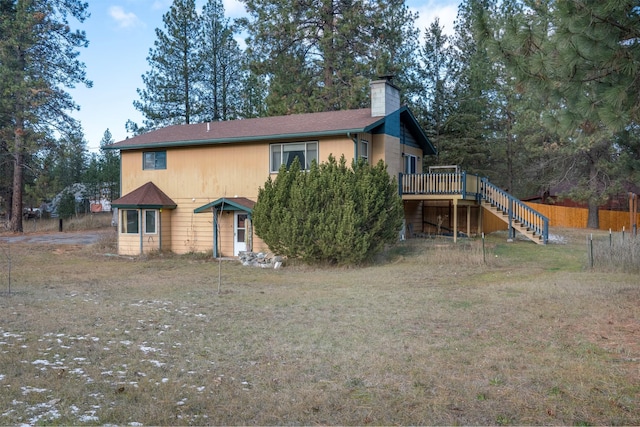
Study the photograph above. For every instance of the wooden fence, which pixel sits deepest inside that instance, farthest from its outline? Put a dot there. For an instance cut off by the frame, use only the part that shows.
(560, 216)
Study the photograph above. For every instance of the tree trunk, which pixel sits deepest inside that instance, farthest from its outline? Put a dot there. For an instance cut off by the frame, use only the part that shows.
(593, 220)
(15, 224)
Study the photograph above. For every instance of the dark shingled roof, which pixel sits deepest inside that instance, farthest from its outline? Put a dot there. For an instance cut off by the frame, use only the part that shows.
(295, 125)
(147, 196)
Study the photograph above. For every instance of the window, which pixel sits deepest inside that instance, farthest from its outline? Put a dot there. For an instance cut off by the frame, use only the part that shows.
(306, 152)
(364, 150)
(150, 221)
(410, 164)
(154, 160)
(129, 222)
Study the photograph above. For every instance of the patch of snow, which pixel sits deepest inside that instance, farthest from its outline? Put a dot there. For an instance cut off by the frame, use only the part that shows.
(28, 389)
(147, 350)
(157, 363)
(41, 362)
(554, 238)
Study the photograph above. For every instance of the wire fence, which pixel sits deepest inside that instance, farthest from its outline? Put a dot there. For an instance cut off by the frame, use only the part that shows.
(619, 251)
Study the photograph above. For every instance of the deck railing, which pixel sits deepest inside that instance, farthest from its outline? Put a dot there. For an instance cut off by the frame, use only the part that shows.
(515, 209)
(471, 186)
(440, 183)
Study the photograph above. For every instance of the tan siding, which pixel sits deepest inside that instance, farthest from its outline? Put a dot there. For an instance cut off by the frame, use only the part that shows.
(128, 244)
(165, 229)
(196, 176)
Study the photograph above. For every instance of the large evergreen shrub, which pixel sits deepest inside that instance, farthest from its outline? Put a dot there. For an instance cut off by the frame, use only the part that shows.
(332, 213)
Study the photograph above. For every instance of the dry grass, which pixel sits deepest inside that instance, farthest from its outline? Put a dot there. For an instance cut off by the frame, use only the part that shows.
(75, 223)
(431, 335)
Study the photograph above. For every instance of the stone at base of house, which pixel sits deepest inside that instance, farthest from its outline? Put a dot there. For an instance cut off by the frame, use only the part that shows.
(260, 259)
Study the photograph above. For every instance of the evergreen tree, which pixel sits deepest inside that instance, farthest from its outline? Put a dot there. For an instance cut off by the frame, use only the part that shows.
(172, 93)
(222, 65)
(38, 59)
(253, 94)
(320, 55)
(581, 60)
(110, 167)
(463, 139)
(332, 213)
(432, 103)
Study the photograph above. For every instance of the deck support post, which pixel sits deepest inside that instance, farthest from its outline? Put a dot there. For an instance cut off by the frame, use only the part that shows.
(511, 229)
(455, 220)
(468, 220)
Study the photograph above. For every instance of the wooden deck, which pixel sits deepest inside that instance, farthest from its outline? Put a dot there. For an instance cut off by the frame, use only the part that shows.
(462, 189)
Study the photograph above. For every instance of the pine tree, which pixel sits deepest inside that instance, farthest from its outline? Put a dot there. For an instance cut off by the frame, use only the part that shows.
(320, 55)
(38, 60)
(172, 93)
(581, 59)
(434, 78)
(465, 131)
(222, 65)
(110, 166)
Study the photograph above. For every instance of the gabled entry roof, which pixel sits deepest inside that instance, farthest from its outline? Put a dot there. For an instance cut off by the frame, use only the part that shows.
(148, 196)
(231, 204)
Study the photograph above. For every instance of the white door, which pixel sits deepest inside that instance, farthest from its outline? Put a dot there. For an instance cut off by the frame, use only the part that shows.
(239, 232)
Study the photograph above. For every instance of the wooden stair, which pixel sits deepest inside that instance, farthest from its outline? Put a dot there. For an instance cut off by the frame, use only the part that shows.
(523, 229)
(516, 214)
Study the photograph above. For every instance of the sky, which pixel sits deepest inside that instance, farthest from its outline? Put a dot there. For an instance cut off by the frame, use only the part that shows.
(120, 34)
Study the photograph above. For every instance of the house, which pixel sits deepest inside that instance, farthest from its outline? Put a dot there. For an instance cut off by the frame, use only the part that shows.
(191, 188)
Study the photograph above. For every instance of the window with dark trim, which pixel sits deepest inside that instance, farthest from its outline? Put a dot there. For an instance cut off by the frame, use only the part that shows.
(410, 163)
(154, 160)
(306, 152)
(129, 221)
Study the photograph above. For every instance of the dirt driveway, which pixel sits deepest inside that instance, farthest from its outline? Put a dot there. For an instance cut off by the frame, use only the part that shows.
(57, 238)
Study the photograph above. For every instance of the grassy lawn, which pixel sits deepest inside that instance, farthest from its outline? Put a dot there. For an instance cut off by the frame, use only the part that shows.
(431, 334)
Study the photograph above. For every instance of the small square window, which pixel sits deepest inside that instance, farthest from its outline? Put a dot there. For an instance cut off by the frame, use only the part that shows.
(154, 160)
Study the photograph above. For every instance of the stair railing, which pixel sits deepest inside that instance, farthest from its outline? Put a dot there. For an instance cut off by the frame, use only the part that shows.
(515, 209)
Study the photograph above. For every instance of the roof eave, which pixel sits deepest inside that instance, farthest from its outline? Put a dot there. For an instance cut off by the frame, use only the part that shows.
(142, 206)
(222, 201)
(258, 138)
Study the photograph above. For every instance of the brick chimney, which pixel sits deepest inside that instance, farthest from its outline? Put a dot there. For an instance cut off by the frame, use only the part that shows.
(385, 97)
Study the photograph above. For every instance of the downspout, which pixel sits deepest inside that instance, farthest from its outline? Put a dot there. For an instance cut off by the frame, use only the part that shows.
(355, 145)
(215, 232)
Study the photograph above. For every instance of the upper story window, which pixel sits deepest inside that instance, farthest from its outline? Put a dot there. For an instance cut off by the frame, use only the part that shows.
(364, 149)
(154, 160)
(410, 164)
(306, 152)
